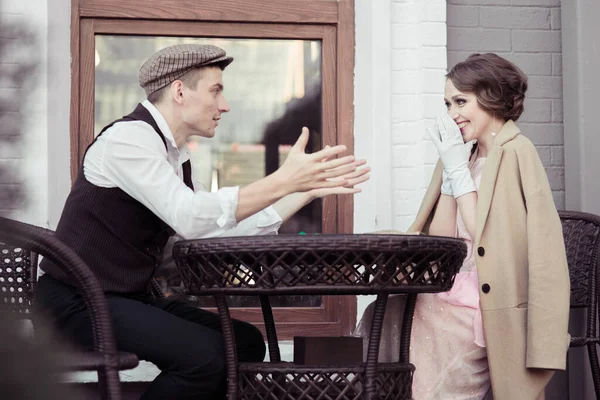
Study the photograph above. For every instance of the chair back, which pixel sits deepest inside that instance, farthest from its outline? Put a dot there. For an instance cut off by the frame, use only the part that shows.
(18, 277)
(582, 243)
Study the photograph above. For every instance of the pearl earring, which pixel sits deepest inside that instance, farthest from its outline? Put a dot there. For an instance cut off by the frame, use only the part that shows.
(493, 133)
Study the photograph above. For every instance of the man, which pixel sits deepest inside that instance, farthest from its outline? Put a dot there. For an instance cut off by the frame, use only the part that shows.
(135, 190)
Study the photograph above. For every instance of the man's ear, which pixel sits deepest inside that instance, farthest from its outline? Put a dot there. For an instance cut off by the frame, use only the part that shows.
(177, 91)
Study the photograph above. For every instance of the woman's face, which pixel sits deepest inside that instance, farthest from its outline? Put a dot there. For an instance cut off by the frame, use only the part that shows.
(465, 111)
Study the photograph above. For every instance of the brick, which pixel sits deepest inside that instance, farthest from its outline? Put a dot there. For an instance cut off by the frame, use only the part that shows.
(13, 7)
(548, 87)
(540, 3)
(555, 20)
(537, 110)
(556, 176)
(405, 36)
(7, 98)
(543, 134)
(407, 82)
(556, 64)
(430, 154)
(407, 108)
(433, 57)
(433, 105)
(9, 148)
(433, 80)
(454, 57)
(433, 33)
(405, 60)
(531, 63)
(10, 196)
(514, 17)
(7, 71)
(557, 111)
(463, 16)
(9, 23)
(545, 154)
(433, 11)
(417, 177)
(559, 199)
(405, 13)
(536, 41)
(408, 133)
(481, 2)
(407, 202)
(403, 222)
(408, 156)
(10, 123)
(558, 156)
(478, 39)
(8, 170)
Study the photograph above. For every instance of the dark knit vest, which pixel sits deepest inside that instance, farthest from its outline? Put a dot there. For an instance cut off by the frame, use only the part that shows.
(120, 239)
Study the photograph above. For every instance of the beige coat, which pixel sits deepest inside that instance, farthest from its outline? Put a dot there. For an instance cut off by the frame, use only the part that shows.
(522, 267)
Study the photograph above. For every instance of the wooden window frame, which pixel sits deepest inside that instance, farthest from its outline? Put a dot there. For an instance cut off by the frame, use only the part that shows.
(329, 21)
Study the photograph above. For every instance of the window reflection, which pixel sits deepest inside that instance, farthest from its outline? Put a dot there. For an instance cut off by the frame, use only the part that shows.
(273, 88)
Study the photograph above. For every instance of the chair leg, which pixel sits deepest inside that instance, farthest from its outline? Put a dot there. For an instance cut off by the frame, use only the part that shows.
(593, 355)
(109, 384)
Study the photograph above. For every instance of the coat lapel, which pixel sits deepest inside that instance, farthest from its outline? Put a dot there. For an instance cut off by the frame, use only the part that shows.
(489, 175)
(486, 188)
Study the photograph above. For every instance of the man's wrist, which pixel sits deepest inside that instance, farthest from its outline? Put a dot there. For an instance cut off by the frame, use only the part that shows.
(279, 185)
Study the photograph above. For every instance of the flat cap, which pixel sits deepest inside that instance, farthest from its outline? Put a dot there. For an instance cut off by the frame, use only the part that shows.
(171, 63)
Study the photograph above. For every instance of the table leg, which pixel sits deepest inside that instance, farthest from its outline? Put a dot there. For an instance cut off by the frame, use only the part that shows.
(373, 349)
(230, 348)
(265, 304)
(407, 319)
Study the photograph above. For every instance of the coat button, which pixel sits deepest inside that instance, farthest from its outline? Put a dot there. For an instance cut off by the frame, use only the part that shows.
(481, 251)
(485, 288)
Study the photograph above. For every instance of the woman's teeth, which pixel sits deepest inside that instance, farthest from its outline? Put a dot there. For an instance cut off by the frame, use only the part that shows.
(462, 125)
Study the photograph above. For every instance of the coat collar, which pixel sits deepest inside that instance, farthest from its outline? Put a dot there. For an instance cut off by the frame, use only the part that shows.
(489, 174)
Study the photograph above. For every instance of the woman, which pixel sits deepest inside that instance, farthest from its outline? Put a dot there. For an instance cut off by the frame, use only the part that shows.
(504, 322)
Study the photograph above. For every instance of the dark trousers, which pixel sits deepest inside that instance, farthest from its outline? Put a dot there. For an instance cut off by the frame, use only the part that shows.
(184, 342)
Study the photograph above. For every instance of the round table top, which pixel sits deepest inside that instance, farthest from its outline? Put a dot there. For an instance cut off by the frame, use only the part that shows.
(319, 264)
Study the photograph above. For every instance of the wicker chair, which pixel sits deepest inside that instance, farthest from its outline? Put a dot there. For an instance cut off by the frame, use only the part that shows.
(582, 241)
(20, 245)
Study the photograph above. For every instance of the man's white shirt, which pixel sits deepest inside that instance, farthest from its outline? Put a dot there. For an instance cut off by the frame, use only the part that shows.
(131, 156)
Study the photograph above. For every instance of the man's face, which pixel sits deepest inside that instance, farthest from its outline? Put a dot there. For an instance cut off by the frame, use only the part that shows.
(203, 106)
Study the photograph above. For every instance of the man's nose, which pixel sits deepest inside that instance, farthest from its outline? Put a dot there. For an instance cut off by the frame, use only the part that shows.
(223, 105)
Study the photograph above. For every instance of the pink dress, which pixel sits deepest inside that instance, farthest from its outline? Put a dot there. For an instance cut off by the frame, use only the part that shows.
(447, 343)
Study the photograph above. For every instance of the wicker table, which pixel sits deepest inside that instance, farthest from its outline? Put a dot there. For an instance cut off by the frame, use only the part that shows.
(319, 265)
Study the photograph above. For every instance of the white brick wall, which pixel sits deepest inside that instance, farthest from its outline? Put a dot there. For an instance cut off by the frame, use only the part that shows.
(418, 68)
(26, 156)
(527, 32)
(11, 154)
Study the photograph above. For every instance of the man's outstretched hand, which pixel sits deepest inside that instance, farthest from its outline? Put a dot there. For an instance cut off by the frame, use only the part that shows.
(320, 173)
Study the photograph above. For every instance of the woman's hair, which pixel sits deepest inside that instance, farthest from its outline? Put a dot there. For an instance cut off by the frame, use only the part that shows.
(499, 85)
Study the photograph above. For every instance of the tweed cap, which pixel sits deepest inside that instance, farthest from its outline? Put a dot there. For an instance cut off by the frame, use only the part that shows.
(171, 63)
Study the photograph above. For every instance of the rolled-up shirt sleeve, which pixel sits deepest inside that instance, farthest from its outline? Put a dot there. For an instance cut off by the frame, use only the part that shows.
(137, 164)
(264, 222)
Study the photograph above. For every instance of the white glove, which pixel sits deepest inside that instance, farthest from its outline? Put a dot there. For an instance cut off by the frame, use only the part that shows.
(446, 185)
(454, 154)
